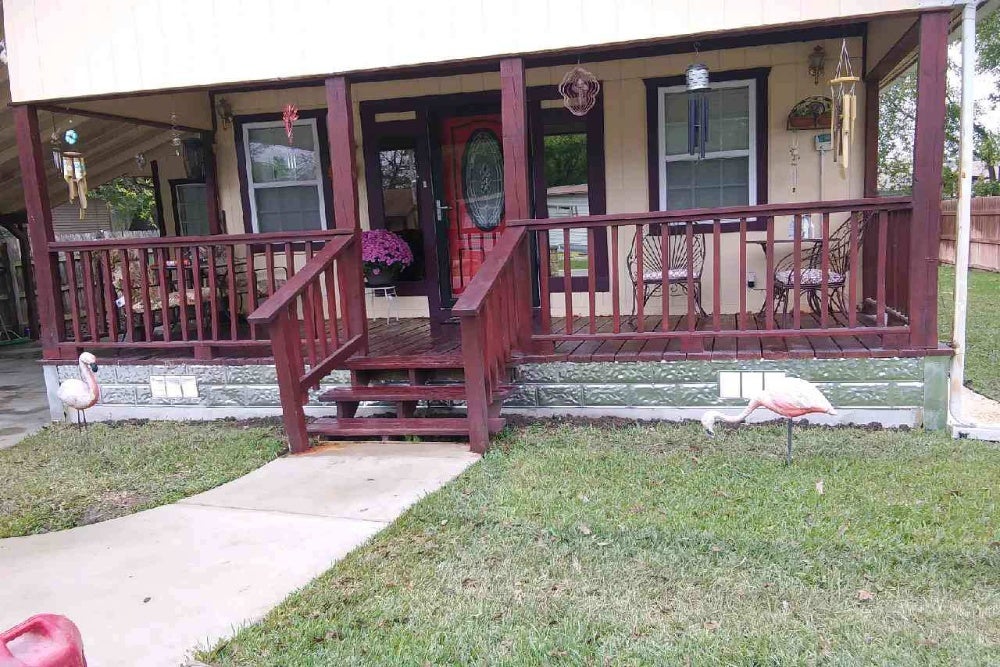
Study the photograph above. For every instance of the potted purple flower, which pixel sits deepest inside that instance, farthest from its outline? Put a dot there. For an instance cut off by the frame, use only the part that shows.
(384, 255)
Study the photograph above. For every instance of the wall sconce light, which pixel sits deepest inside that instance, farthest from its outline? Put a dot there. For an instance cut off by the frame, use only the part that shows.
(225, 111)
(817, 63)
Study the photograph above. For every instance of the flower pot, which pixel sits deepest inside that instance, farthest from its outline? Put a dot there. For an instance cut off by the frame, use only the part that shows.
(382, 276)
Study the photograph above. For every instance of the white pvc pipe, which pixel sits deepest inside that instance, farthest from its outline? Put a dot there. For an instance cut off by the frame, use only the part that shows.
(964, 213)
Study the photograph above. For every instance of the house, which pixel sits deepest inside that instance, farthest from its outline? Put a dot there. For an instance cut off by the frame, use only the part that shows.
(726, 236)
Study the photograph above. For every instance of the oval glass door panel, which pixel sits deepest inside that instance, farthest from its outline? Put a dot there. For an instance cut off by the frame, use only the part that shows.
(482, 179)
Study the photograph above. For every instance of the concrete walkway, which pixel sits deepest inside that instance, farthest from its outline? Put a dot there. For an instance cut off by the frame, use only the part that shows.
(146, 589)
(24, 406)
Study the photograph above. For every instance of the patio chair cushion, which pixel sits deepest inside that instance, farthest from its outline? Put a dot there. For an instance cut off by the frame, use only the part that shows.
(810, 277)
(673, 275)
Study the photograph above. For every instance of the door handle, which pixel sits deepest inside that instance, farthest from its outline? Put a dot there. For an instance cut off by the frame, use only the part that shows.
(439, 209)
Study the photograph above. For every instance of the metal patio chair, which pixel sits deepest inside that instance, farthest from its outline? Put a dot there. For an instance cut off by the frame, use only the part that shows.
(675, 274)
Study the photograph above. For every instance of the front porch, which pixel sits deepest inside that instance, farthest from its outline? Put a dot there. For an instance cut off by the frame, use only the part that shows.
(770, 269)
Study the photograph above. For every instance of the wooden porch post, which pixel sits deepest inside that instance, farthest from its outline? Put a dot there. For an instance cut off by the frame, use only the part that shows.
(211, 184)
(517, 189)
(36, 201)
(928, 156)
(343, 158)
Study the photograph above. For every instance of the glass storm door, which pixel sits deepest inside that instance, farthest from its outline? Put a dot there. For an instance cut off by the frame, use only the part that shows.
(472, 208)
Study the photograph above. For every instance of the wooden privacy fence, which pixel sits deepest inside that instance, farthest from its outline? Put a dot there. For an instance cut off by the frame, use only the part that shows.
(984, 251)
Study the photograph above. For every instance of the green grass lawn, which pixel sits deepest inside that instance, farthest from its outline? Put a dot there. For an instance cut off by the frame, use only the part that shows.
(572, 544)
(60, 477)
(982, 359)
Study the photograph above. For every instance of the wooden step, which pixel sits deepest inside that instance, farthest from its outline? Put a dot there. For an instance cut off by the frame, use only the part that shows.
(389, 392)
(378, 426)
(404, 392)
(406, 362)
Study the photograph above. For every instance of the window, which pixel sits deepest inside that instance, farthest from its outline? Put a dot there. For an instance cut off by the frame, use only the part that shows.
(190, 208)
(284, 181)
(397, 157)
(726, 176)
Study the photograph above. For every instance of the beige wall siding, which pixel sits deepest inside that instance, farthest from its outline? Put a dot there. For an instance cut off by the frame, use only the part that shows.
(625, 139)
(59, 50)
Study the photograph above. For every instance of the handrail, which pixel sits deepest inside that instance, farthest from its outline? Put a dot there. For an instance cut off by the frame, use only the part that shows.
(172, 241)
(268, 311)
(472, 299)
(686, 215)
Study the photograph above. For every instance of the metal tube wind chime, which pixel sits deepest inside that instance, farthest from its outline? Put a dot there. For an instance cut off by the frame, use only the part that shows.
(696, 77)
(843, 91)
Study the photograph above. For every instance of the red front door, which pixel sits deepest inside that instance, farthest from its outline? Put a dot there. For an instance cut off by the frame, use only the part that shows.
(472, 179)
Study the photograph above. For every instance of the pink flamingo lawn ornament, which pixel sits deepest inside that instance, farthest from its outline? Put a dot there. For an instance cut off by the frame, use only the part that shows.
(788, 397)
(81, 394)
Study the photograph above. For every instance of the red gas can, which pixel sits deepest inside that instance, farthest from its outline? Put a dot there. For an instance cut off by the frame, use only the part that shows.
(45, 640)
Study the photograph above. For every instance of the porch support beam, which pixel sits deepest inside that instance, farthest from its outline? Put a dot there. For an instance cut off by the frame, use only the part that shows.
(517, 184)
(343, 159)
(211, 183)
(36, 201)
(102, 115)
(928, 157)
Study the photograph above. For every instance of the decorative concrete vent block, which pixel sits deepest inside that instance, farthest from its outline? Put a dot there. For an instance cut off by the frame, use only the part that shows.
(745, 384)
(173, 386)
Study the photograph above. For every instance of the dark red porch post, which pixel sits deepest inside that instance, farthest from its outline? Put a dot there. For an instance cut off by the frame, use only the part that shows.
(516, 183)
(340, 130)
(36, 202)
(211, 183)
(928, 156)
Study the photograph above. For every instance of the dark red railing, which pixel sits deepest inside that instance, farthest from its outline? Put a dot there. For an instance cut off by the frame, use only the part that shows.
(877, 228)
(316, 318)
(495, 314)
(190, 293)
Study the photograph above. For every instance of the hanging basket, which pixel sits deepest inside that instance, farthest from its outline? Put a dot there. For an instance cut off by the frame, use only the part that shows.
(812, 113)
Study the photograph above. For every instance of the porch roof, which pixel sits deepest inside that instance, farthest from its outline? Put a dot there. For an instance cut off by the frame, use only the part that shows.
(57, 52)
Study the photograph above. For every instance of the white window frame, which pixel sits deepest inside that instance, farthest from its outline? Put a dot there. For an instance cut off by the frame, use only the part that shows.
(178, 188)
(253, 187)
(749, 152)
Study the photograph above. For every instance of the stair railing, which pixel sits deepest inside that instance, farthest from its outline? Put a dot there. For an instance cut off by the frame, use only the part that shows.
(495, 315)
(318, 317)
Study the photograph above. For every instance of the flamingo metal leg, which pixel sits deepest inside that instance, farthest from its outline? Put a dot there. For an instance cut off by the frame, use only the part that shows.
(788, 449)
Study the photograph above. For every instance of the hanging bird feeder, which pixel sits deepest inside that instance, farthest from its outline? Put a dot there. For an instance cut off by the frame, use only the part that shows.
(696, 77)
(579, 89)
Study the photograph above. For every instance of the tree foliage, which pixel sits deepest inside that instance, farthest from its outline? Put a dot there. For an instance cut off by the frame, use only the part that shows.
(565, 159)
(130, 197)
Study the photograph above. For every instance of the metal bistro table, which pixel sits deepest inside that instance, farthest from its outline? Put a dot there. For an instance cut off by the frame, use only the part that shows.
(763, 247)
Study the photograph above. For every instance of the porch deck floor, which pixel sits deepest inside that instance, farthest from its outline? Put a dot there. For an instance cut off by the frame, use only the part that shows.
(397, 341)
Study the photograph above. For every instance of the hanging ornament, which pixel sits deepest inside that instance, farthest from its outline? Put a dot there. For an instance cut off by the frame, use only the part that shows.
(579, 89)
(794, 155)
(290, 115)
(843, 91)
(140, 160)
(55, 145)
(75, 174)
(175, 139)
(696, 78)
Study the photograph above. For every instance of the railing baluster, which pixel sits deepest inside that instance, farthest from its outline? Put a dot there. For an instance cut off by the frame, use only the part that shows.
(234, 316)
(639, 288)
(544, 304)
(689, 233)
(592, 278)
(825, 273)
(883, 242)
(73, 294)
(717, 274)
(567, 282)
(147, 302)
(664, 277)
(213, 291)
(182, 290)
(161, 268)
(89, 285)
(269, 268)
(797, 274)
(110, 301)
(616, 307)
(331, 304)
(199, 298)
(251, 272)
(769, 278)
(744, 285)
(126, 294)
(852, 271)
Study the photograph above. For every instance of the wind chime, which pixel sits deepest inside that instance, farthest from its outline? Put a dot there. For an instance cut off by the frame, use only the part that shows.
(843, 91)
(71, 164)
(175, 139)
(289, 116)
(579, 89)
(696, 78)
